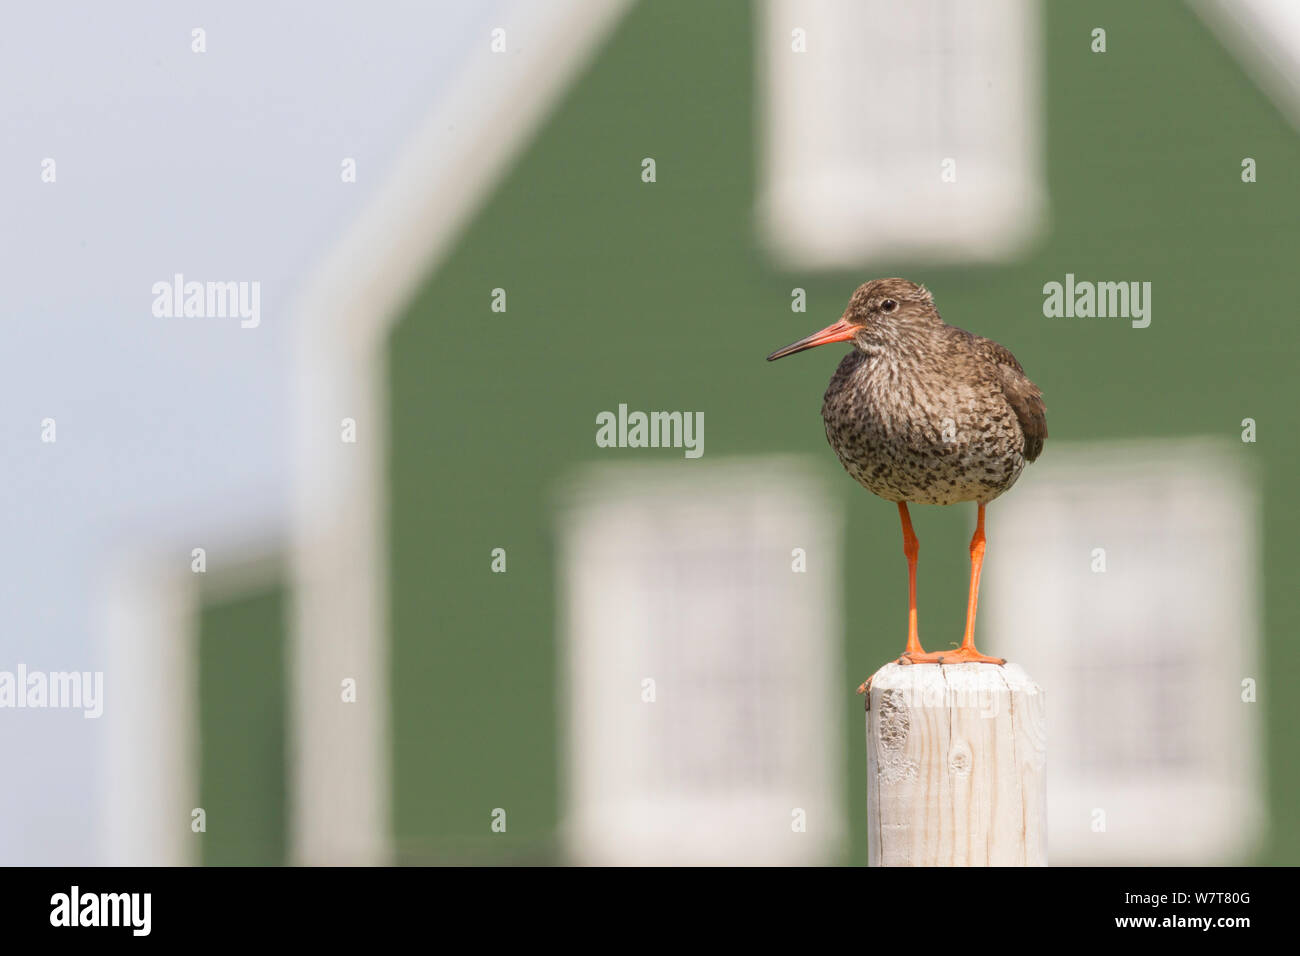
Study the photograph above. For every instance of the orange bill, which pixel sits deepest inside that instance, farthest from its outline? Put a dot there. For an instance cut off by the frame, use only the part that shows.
(841, 331)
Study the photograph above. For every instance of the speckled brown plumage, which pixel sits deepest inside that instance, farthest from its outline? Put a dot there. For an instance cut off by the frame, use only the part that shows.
(924, 412)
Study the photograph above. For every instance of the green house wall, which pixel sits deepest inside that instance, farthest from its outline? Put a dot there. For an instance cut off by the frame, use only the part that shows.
(657, 295)
(243, 729)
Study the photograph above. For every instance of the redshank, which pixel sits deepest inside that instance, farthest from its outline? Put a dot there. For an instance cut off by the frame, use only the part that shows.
(921, 411)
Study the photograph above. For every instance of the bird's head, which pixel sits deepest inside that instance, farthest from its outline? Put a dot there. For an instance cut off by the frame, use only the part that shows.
(878, 311)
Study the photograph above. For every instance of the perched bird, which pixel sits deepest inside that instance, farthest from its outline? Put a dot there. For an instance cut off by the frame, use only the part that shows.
(921, 411)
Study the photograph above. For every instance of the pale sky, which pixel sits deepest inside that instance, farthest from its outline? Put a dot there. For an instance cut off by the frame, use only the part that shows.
(221, 166)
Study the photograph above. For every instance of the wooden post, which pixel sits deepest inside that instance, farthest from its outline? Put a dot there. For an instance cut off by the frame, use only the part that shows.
(956, 766)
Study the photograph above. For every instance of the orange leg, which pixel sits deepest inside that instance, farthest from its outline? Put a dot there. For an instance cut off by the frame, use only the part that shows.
(911, 548)
(966, 654)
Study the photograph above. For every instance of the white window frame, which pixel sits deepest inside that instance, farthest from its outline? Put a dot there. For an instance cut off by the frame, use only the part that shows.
(857, 128)
(636, 793)
(1045, 608)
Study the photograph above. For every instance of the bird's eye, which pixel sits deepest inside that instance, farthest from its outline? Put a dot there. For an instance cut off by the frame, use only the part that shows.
(889, 305)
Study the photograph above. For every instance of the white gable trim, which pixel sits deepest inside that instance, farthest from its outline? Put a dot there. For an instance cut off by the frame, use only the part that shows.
(1264, 37)
(341, 789)
(150, 618)
(150, 610)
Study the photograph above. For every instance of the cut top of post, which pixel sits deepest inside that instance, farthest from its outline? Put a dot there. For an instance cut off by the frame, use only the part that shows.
(956, 760)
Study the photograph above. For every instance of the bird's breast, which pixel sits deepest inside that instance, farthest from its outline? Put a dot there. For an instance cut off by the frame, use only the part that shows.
(907, 433)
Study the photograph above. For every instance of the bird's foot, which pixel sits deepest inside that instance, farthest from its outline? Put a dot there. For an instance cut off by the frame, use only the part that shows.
(961, 655)
(865, 686)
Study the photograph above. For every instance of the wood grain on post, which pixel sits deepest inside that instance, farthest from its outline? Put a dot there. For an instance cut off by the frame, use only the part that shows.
(956, 766)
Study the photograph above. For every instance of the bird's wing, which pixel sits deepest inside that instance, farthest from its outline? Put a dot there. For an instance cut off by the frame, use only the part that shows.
(1022, 395)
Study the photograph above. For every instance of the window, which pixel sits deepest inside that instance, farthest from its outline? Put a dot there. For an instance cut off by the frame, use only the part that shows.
(683, 575)
(1123, 578)
(905, 130)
